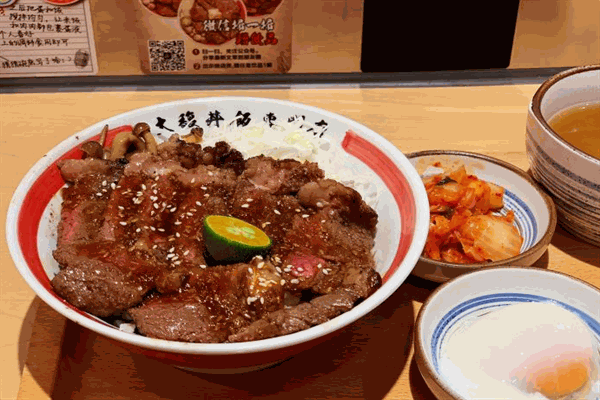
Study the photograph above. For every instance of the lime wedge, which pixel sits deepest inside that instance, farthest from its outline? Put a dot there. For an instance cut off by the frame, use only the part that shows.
(230, 239)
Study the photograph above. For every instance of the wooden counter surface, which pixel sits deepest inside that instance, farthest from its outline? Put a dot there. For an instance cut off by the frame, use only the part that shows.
(371, 359)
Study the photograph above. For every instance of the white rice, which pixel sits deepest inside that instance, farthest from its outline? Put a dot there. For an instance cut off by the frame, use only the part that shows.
(292, 140)
(128, 327)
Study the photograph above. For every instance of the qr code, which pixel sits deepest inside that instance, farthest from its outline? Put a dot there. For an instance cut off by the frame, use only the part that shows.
(166, 55)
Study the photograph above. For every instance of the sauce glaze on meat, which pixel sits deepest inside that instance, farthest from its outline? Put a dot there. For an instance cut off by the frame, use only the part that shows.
(130, 243)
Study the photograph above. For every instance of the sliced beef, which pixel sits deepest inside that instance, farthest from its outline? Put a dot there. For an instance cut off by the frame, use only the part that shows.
(102, 278)
(131, 240)
(142, 208)
(151, 165)
(139, 210)
(180, 316)
(264, 290)
(320, 250)
(189, 155)
(139, 213)
(215, 303)
(71, 170)
(188, 221)
(324, 235)
(184, 246)
(300, 317)
(81, 222)
(304, 271)
(219, 181)
(207, 189)
(231, 296)
(91, 182)
(362, 282)
(173, 277)
(121, 207)
(231, 291)
(281, 176)
(222, 155)
(327, 193)
(273, 214)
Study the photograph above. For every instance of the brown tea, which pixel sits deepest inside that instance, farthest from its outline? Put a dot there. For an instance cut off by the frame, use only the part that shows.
(580, 126)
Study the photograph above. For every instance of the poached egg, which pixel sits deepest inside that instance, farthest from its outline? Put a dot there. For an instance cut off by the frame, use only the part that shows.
(523, 351)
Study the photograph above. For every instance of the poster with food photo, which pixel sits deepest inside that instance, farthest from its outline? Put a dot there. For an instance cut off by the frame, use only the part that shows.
(214, 36)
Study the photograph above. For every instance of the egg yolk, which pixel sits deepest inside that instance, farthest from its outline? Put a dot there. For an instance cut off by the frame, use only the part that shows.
(561, 378)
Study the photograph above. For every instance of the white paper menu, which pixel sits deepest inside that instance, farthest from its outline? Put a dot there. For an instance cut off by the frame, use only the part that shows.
(46, 38)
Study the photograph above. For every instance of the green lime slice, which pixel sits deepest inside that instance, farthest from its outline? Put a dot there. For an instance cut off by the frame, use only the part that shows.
(230, 239)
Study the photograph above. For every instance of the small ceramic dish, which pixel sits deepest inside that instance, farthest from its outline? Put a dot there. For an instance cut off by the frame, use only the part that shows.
(535, 213)
(571, 176)
(455, 305)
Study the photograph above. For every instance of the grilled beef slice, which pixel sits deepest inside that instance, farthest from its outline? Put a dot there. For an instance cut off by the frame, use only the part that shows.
(102, 278)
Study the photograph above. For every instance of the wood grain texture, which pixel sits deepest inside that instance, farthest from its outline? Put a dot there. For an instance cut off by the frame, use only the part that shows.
(44, 351)
(556, 33)
(372, 359)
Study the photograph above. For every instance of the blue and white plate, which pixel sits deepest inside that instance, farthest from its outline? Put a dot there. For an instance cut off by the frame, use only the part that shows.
(455, 304)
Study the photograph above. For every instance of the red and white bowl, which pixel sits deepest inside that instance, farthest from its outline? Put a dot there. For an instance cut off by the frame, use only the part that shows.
(352, 150)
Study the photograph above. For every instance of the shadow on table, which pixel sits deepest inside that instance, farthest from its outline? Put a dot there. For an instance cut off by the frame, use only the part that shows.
(543, 261)
(576, 247)
(419, 289)
(364, 360)
(40, 342)
(418, 387)
(26, 331)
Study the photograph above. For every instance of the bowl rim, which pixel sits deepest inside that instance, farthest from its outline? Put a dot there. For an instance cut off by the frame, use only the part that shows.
(425, 367)
(421, 224)
(550, 206)
(536, 108)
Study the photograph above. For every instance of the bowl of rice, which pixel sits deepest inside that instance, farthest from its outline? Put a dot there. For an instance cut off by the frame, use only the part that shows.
(345, 150)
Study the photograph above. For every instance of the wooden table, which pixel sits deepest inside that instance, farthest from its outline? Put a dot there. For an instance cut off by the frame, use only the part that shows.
(371, 359)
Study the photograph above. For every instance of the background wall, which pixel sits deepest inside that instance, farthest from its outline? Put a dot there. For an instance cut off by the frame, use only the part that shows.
(557, 33)
(327, 35)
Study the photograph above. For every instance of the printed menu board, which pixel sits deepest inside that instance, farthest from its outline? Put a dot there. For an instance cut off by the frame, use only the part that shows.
(56, 37)
(214, 36)
(45, 38)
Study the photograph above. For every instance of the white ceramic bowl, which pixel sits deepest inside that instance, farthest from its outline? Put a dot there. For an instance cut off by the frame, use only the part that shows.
(535, 214)
(454, 303)
(571, 176)
(401, 203)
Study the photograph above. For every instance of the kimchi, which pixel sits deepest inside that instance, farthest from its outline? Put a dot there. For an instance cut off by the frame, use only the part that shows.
(466, 225)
